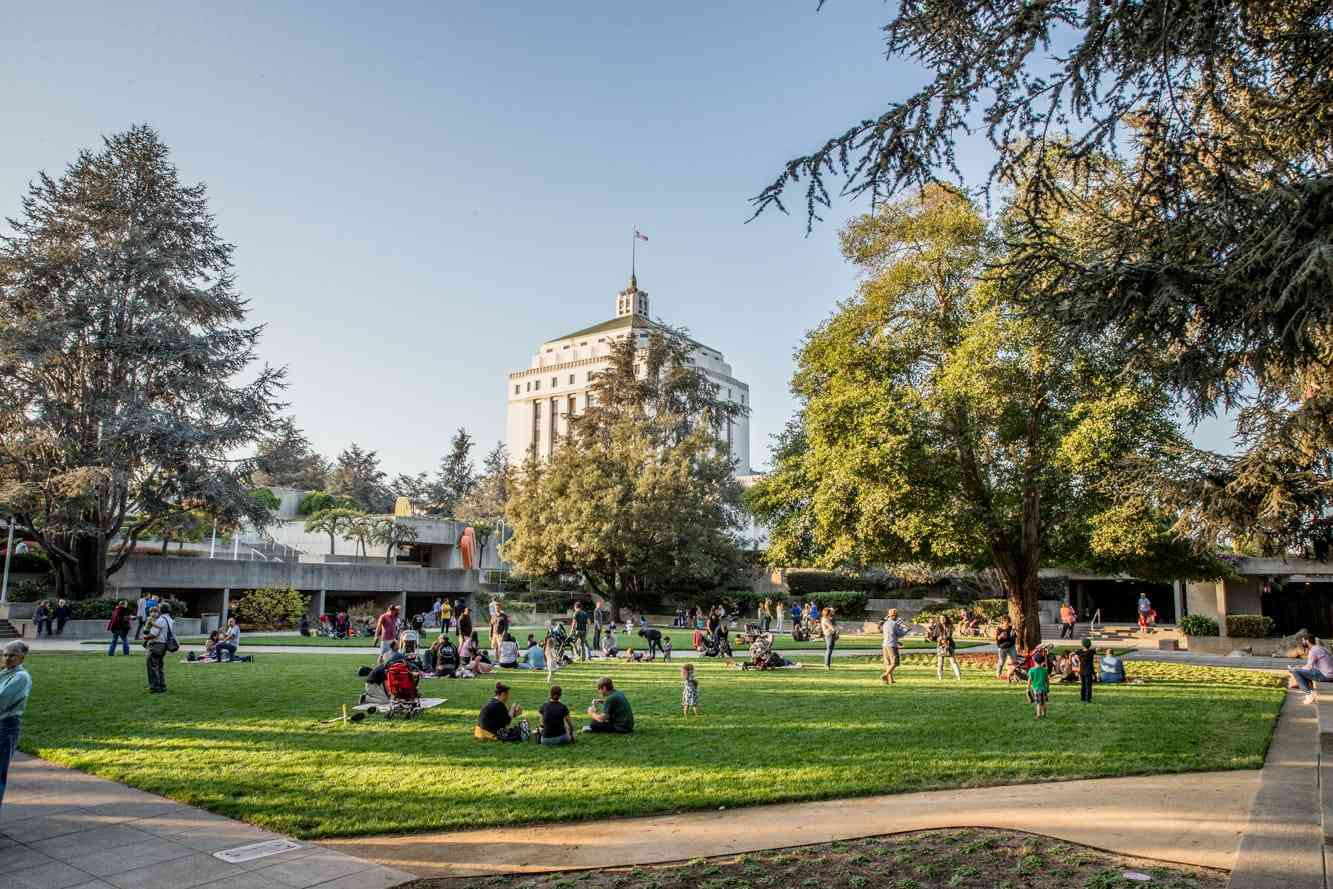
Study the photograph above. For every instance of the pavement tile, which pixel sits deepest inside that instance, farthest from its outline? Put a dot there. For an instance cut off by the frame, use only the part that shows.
(68, 846)
(95, 884)
(74, 821)
(250, 880)
(149, 808)
(314, 869)
(180, 873)
(56, 875)
(376, 878)
(17, 857)
(150, 850)
(180, 821)
(223, 836)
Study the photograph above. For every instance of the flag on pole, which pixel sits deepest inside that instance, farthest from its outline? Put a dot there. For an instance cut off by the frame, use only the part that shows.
(640, 235)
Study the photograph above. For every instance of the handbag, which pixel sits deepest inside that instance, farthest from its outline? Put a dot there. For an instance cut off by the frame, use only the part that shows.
(172, 644)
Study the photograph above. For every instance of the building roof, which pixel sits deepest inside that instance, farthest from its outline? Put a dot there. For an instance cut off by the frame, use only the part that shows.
(614, 324)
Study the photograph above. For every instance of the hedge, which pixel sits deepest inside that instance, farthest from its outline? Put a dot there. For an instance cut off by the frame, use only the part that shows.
(1254, 626)
(989, 610)
(29, 591)
(805, 582)
(29, 563)
(1198, 625)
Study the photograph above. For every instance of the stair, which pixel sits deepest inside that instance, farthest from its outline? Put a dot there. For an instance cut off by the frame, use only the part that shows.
(7, 630)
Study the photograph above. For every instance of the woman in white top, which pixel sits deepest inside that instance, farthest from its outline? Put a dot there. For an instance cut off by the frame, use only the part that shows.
(508, 652)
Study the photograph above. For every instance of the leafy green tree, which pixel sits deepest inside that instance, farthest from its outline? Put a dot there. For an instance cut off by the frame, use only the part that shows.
(285, 459)
(457, 475)
(121, 340)
(941, 426)
(390, 533)
(270, 608)
(357, 477)
(642, 493)
(266, 499)
(318, 501)
(336, 522)
(1200, 136)
(484, 505)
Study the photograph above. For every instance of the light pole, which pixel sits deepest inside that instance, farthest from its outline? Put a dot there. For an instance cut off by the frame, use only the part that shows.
(9, 554)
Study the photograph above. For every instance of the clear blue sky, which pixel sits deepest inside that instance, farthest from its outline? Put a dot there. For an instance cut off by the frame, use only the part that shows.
(420, 196)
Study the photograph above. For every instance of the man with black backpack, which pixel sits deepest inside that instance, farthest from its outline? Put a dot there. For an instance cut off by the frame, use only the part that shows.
(160, 638)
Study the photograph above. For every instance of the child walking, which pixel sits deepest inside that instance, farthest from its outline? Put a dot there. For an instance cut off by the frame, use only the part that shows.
(1087, 663)
(689, 695)
(1039, 683)
(666, 649)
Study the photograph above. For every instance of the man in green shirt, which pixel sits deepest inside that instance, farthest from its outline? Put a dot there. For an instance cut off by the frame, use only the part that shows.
(614, 714)
(1039, 684)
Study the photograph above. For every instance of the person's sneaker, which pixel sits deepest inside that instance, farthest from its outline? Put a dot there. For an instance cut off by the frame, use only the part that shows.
(1309, 698)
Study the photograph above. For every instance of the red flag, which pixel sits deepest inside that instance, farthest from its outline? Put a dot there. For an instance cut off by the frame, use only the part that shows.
(640, 235)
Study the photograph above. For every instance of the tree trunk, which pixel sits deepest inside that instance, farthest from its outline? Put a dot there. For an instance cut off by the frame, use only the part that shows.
(1024, 611)
(331, 552)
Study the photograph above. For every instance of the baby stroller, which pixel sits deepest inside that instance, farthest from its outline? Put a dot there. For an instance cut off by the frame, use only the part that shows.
(391, 690)
(561, 644)
(1019, 671)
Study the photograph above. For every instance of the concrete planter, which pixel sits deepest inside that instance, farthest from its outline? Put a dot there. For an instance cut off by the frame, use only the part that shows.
(17, 610)
(1273, 646)
(96, 629)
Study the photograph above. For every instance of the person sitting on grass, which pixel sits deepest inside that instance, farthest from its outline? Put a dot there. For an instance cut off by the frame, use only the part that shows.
(469, 647)
(442, 657)
(211, 646)
(230, 642)
(534, 658)
(611, 712)
(632, 656)
(556, 728)
(610, 648)
(508, 652)
(476, 667)
(495, 721)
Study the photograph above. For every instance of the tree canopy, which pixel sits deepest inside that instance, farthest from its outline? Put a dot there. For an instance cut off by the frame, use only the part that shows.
(284, 458)
(1196, 139)
(122, 344)
(357, 477)
(940, 425)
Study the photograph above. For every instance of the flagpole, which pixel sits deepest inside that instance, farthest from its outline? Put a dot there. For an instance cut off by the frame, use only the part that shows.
(633, 251)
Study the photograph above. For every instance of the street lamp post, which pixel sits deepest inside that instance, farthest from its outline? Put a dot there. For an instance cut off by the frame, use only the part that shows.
(9, 554)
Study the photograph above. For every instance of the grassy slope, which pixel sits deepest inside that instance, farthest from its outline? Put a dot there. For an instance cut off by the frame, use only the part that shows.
(240, 740)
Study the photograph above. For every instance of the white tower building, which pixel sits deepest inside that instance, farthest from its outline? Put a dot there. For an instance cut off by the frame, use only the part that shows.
(555, 384)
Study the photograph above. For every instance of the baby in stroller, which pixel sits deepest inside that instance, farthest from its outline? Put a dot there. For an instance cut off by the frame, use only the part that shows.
(1019, 672)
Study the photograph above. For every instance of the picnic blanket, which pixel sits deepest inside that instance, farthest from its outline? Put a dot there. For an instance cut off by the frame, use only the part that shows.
(426, 704)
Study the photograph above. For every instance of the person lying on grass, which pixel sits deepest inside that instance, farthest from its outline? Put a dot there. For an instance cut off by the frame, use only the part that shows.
(611, 712)
(495, 721)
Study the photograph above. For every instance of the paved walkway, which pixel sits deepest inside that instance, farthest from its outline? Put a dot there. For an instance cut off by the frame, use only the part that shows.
(62, 829)
(1194, 819)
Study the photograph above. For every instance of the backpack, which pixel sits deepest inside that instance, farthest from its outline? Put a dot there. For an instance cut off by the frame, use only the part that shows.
(172, 644)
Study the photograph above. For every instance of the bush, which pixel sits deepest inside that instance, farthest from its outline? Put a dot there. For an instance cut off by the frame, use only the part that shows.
(845, 603)
(92, 609)
(29, 591)
(318, 501)
(1198, 625)
(1254, 626)
(989, 610)
(805, 581)
(29, 563)
(270, 608)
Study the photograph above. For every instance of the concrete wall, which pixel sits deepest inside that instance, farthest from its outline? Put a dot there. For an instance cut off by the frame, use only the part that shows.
(96, 629)
(150, 572)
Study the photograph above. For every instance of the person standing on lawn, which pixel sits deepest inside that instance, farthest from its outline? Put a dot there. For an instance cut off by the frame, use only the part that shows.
(829, 627)
(1039, 683)
(157, 636)
(1068, 620)
(119, 627)
(1087, 665)
(894, 630)
(945, 647)
(778, 608)
(15, 687)
(689, 693)
(653, 636)
(140, 615)
(386, 629)
(1006, 644)
(464, 624)
(580, 627)
(598, 620)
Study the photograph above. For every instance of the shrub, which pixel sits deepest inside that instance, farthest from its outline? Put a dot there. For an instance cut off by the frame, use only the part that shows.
(318, 501)
(266, 498)
(848, 604)
(270, 607)
(1198, 625)
(989, 610)
(1254, 626)
(29, 563)
(29, 591)
(93, 609)
(806, 581)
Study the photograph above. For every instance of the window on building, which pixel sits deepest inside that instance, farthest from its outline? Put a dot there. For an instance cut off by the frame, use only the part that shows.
(537, 384)
(573, 404)
(529, 385)
(582, 344)
(536, 426)
(728, 391)
(552, 419)
(555, 381)
(516, 388)
(565, 346)
(571, 379)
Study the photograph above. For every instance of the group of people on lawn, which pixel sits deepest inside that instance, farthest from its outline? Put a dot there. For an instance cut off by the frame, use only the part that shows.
(499, 720)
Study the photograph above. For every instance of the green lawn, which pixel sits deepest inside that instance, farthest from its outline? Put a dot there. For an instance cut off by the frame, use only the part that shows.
(240, 739)
(680, 640)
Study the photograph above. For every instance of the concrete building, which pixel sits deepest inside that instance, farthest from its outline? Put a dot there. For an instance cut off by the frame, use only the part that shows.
(543, 396)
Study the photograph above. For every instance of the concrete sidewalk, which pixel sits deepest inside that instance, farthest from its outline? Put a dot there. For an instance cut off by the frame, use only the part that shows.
(62, 829)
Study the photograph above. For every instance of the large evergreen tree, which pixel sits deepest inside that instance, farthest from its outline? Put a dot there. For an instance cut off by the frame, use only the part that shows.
(940, 426)
(642, 492)
(1198, 135)
(357, 476)
(122, 341)
(284, 458)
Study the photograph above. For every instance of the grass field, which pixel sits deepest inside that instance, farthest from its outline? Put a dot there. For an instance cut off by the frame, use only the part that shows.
(240, 739)
(680, 640)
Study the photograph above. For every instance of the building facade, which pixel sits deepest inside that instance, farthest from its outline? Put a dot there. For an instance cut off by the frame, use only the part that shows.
(554, 387)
